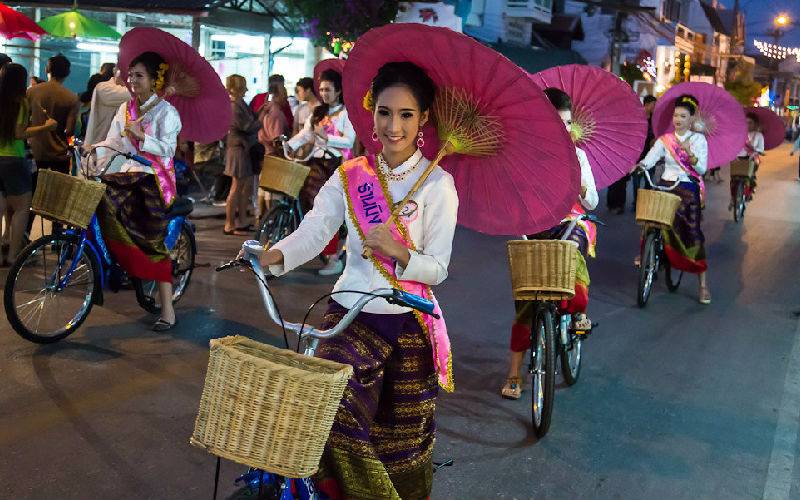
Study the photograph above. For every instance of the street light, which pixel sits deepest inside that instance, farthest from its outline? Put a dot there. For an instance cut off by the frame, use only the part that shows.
(782, 20)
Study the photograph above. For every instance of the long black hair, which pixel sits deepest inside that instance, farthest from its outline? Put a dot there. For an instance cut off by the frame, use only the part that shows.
(151, 61)
(13, 82)
(407, 74)
(321, 111)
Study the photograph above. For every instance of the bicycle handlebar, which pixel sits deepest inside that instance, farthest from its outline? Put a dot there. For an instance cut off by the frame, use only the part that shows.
(284, 144)
(252, 250)
(640, 168)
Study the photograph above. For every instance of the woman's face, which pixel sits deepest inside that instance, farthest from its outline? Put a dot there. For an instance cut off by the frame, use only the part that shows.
(328, 93)
(566, 117)
(681, 118)
(398, 119)
(752, 126)
(139, 80)
(300, 93)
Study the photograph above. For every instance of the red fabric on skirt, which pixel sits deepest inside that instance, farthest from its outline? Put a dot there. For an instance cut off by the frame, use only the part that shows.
(521, 333)
(332, 248)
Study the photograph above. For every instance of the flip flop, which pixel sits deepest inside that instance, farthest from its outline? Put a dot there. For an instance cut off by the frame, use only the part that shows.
(163, 326)
(234, 232)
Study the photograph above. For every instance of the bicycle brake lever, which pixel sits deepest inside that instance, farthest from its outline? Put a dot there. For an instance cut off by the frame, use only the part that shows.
(233, 263)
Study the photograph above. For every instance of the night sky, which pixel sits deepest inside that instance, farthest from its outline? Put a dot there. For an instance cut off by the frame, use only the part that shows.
(759, 15)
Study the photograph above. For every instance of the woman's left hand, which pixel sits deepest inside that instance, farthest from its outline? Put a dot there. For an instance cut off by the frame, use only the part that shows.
(319, 130)
(134, 129)
(380, 240)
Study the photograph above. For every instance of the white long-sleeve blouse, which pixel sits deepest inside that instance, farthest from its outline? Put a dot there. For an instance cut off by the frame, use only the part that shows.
(672, 169)
(431, 228)
(590, 200)
(335, 143)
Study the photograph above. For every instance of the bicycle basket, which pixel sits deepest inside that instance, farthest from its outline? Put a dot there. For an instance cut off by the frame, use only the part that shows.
(656, 207)
(742, 168)
(542, 269)
(66, 199)
(283, 176)
(266, 407)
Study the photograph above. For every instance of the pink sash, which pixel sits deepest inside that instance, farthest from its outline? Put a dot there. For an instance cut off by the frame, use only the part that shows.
(165, 172)
(330, 129)
(683, 159)
(369, 204)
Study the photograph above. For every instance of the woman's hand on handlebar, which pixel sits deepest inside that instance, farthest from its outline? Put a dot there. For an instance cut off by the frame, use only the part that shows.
(269, 258)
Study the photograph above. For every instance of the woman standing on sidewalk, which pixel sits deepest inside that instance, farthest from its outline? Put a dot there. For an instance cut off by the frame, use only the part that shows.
(330, 131)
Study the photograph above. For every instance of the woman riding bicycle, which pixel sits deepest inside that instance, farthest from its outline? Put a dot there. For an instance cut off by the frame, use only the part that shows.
(329, 130)
(752, 151)
(382, 438)
(584, 235)
(685, 155)
(133, 213)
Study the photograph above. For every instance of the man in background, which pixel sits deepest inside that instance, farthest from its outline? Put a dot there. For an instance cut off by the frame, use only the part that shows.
(258, 101)
(107, 97)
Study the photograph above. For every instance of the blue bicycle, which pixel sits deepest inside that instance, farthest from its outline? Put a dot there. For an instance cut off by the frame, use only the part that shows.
(54, 282)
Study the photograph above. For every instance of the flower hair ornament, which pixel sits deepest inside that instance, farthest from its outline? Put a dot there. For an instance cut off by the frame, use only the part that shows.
(368, 102)
(688, 100)
(160, 76)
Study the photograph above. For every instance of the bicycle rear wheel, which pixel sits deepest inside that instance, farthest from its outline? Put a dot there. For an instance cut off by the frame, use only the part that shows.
(648, 267)
(543, 369)
(571, 357)
(183, 258)
(738, 201)
(673, 277)
(51, 288)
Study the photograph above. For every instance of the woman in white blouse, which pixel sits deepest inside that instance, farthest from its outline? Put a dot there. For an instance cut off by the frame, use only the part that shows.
(752, 151)
(685, 155)
(397, 355)
(133, 213)
(584, 235)
(332, 135)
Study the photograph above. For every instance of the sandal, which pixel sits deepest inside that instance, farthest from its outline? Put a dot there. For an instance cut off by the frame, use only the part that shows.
(704, 296)
(163, 325)
(581, 322)
(512, 389)
(234, 232)
(637, 261)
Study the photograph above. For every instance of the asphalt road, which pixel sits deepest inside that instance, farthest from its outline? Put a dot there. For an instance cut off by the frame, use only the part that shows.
(675, 401)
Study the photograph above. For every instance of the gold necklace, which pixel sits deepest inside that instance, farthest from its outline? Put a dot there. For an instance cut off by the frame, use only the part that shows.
(391, 175)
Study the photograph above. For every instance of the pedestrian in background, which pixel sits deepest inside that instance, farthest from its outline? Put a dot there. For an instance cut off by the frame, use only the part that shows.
(304, 91)
(273, 126)
(238, 161)
(15, 175)
(649, 103)
(107, 97)
(258, 101)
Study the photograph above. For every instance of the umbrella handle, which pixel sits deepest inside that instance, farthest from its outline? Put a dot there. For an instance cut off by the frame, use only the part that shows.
(366, 253)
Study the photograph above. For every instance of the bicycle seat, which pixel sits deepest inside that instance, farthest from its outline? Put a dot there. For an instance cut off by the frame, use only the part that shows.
(182, 206)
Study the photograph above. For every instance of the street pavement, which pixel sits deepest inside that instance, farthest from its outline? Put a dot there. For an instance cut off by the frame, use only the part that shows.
(675, 401)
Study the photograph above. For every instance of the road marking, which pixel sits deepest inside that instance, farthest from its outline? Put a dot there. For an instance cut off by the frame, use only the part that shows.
(781, 461)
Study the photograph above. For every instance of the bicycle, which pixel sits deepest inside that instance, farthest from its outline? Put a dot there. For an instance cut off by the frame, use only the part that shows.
(308, 338)
(741, 177)
(56, 279)
(550, 320)
(653, 256)
(285, 216)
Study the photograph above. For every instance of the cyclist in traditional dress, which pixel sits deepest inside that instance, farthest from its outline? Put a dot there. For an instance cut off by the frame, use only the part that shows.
(584, 234)
(382, 439)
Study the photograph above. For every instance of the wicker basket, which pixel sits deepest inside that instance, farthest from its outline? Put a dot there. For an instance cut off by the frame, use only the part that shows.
(542, 269)
(266, 407)
(656, 207)
(742, 168)
(283, 176)
(66, 199)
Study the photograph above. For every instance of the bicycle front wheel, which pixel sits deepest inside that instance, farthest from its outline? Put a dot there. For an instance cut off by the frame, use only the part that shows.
(543, 369)
(51, 288)
(571, 356)
(738, 201)
(647, 268)
(279, 223)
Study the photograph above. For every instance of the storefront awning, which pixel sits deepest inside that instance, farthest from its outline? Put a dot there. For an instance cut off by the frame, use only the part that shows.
(533, 60)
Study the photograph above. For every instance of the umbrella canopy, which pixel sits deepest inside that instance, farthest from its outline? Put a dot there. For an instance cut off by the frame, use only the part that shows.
(16, 25)
(525, 185)
(719, 116)
(326, 64)
(192, 85)
(771, 125)
(609, 122)
(73, 24)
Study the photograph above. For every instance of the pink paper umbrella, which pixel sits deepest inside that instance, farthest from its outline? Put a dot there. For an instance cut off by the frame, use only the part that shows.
(531, 180)
(771, 125)
(609, 122)
(326, 64)
(192, 85)
(719, 116)
(16, 25)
